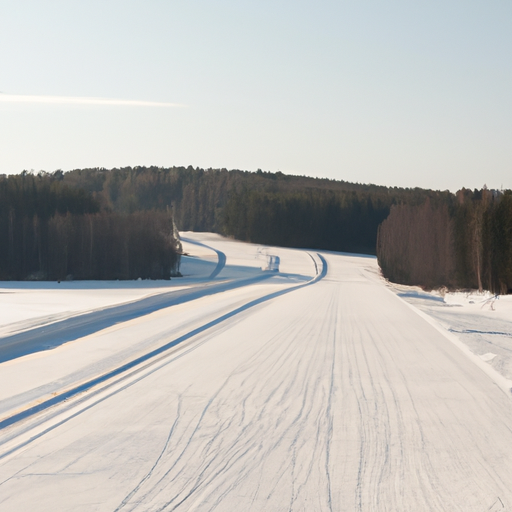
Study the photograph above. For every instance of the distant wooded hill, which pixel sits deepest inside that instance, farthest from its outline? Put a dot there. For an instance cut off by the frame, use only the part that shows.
(117, 223)
(260, 207)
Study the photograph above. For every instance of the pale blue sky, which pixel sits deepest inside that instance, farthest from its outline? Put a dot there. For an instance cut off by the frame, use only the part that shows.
(390, 92)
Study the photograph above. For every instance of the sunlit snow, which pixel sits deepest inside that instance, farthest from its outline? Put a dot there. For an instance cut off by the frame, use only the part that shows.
(316, 388)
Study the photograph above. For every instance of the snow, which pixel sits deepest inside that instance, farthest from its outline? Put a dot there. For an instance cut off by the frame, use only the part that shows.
(316, 388)
(26, 304)
(481, 321)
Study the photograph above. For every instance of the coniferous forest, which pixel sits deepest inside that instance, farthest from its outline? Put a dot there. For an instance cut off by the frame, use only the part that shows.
(259, 207)
(118, 223)
(50, 230)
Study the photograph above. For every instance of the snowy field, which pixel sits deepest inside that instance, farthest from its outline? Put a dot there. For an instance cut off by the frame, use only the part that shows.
(481, 321)
(316, 388)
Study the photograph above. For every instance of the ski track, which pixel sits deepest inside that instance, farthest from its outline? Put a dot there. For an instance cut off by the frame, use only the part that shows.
(333, 397)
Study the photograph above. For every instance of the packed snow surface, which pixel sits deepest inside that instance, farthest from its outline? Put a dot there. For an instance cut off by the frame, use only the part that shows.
(319, 387)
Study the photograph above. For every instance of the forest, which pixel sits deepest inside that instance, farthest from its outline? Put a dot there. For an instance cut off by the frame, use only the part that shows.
(465, 242)
(260, 207)
(93, 223)
(52, 231)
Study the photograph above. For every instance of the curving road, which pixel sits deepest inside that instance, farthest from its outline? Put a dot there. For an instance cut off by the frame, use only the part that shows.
(335, 396)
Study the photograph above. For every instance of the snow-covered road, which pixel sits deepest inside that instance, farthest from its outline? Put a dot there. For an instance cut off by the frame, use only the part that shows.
(316, 389)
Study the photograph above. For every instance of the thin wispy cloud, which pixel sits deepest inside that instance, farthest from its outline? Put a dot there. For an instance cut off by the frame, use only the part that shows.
(76, 100)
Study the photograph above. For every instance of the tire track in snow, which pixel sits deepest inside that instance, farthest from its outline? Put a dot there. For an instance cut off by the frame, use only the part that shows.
(57, 333)
(280, 397)
(150, 472)
(137, 362)
(401, 423)
(400, 439)
(240, 452)
(64, 331)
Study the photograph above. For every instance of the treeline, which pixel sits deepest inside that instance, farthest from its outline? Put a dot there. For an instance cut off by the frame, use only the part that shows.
(51, 230)
(118, 223)
(339, 221)
(465, 242)
(261, 207)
